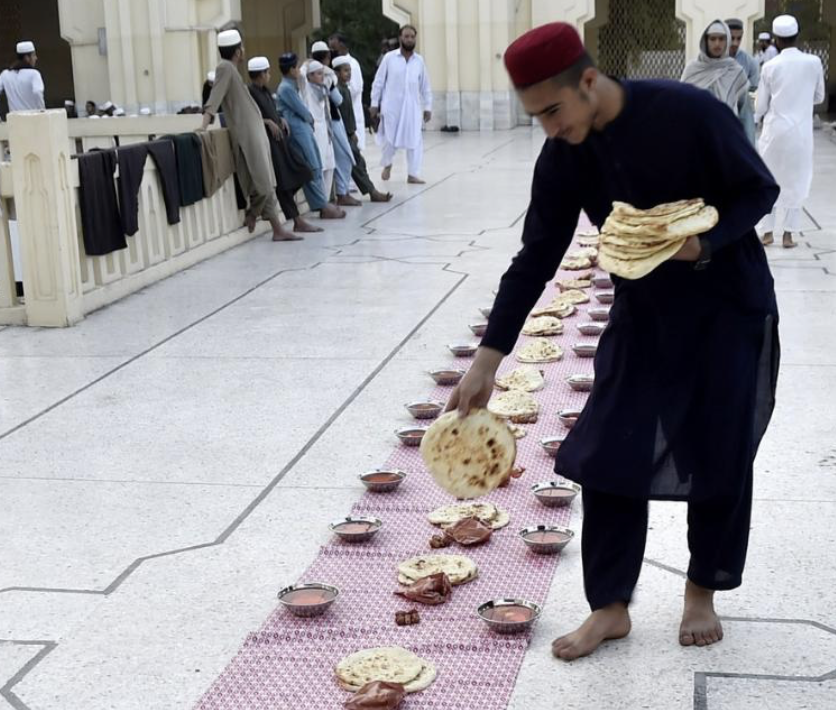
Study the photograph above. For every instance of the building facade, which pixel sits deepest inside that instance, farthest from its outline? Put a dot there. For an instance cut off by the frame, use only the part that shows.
(155, 53)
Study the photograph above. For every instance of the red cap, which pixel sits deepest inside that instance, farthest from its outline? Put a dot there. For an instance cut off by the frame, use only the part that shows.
(542, 53)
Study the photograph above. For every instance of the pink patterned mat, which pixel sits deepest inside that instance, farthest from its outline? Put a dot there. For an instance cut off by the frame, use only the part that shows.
(288, 664)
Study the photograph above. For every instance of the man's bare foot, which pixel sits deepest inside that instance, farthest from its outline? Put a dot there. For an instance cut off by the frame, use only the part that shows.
(285, 236)
(767, 239)
(300, 225)
(611, 622)
(788, 242)
(348, 201)
(387, 172)
(700, 624)
(412, 180)
(378, 196)
(249, 223)
(331, 212)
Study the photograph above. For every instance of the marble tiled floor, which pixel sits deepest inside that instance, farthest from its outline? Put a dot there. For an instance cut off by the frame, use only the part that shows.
(156, 459)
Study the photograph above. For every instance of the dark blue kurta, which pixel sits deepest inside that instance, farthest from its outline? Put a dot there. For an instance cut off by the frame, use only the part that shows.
(685, 372)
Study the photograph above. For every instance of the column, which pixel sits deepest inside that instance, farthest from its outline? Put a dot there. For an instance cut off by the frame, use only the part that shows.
(46, 212)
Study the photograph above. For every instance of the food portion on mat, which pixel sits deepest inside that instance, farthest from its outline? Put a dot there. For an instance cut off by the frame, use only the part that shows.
(525, 378)
(634, 242)
(390, 664)
(579, 281)
(576, 264)
(469, 531)
(543, 325)
(458, 568)
(434, 589)
(573, 296)
(515, 405)
(377, 695)
(539, 350)
(447, 515)
(558, 308)
(469, 456)
(518, 431)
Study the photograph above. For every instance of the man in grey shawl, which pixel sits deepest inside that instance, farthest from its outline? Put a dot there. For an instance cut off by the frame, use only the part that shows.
(717, 72)
(249, 139)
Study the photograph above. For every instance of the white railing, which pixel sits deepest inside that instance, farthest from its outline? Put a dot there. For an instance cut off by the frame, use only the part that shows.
(39, 186)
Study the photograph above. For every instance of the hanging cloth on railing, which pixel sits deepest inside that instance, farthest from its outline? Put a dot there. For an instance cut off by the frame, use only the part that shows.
(188, 148)
(100, 221)
(162, 153)
(131, 169)
(218, 163)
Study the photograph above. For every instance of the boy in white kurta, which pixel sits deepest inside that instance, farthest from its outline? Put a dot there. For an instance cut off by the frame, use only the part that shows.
(400, 93)
(791, 84)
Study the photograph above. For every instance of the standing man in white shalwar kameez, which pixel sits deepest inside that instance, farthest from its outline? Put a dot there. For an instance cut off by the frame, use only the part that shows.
(791, 84)
(401, 93)
(23, 84)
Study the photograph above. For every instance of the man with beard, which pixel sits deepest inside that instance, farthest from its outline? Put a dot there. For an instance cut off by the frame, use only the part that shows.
(401, 96)
(23, 84)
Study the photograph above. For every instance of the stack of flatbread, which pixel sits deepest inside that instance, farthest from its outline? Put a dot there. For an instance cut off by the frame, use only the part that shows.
(516, 406)
(525, 378)
(634, 241)
(488, 513)
(391, 664)
(469, 456)
(539, 350)
(543, 325)
(458, 568)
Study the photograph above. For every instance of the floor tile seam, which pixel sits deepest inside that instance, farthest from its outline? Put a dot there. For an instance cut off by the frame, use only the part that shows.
(6, 691)
(418, 193)
(148, 350)
(250, 508)
(62, 479)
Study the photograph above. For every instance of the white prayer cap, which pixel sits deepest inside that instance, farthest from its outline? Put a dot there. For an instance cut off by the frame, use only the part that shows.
(764, 36)
(25, 47)
(314, 66)
(69, 103)
(210, 77)
(145, 111)
(229, 38)
(785, 26)
(339, 61)
(107, 105)
(258, 64)
(320, 47)
(716, 28)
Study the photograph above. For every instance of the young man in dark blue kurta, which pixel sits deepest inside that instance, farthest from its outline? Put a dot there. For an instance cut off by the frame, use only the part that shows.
(685, 372)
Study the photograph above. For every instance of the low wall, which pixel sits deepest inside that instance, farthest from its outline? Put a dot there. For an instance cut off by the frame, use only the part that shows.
(39, 189)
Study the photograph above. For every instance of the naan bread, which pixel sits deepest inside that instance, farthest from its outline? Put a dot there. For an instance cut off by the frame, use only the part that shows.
(637, 268)
(572, 296)
(527, 379)
(589, 241)
(559, 308)
(451, 514)
(518, 431)
(689, 226)
(570, 284)
(517, 406)
(569, 264)
(391, 664)
(469, 456)
(539, 350)
(458, 568)
(543, 325)
(664, 209)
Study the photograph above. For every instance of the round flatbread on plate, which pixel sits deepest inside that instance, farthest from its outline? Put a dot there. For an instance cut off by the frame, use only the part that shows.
(458, 568)
(392, 664)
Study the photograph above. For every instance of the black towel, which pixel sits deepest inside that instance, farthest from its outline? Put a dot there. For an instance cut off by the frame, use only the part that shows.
(100, 222)
(162, 153)
(131, 169)
(189, 151)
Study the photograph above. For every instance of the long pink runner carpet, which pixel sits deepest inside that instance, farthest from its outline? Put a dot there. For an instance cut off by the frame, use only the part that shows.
(288, 664)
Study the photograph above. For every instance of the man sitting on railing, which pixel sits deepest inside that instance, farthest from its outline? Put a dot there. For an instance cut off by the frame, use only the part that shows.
(246, 127)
